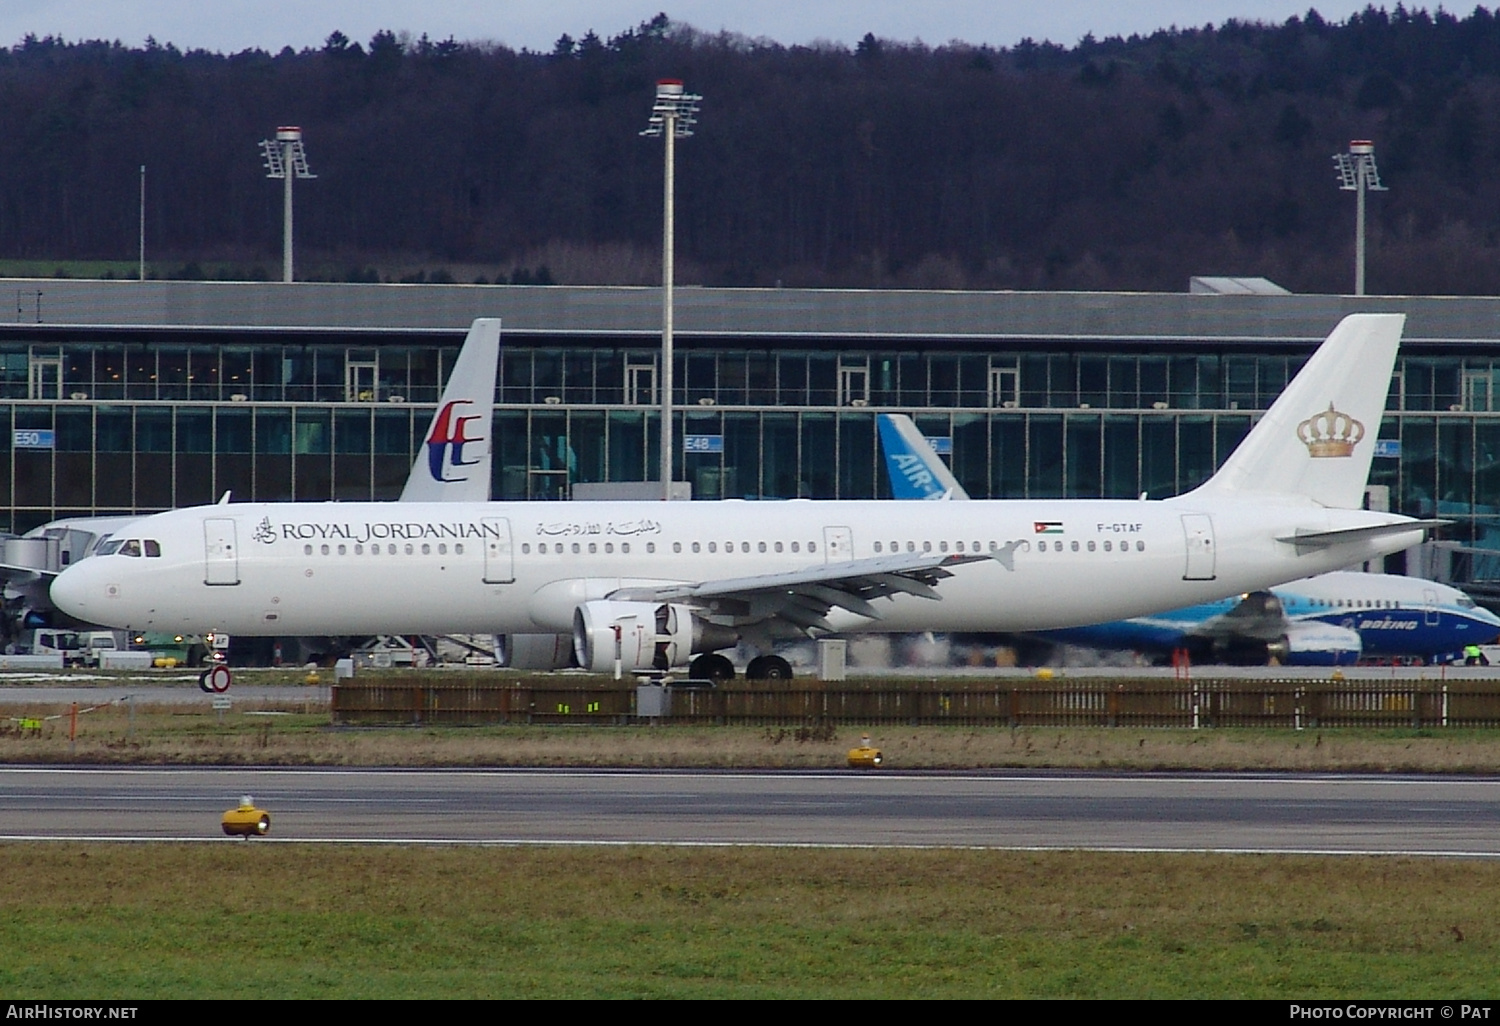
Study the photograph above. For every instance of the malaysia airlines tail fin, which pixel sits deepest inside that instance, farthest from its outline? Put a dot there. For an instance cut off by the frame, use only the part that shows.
(454, 463)
(915, 470)
(1317, 438)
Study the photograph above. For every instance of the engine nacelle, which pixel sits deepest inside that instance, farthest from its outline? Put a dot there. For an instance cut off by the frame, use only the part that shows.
(534, 651)
(1311, 643)
(652, 636)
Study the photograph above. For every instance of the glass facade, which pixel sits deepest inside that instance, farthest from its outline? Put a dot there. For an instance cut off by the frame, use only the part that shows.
(103, 427)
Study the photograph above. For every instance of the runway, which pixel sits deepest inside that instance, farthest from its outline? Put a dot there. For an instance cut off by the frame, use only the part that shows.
(1158, 812)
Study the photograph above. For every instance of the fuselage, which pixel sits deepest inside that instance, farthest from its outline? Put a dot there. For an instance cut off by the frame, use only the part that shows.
(1393, 616)
(355, 568)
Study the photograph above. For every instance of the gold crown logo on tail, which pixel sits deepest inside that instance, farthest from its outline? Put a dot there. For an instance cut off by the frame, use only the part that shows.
(1330, 433)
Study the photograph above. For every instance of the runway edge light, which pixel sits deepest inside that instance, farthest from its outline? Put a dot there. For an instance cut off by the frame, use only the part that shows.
(247, 820)
(865, 756)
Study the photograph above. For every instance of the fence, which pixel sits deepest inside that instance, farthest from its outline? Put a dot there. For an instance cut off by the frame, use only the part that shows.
(440, 699)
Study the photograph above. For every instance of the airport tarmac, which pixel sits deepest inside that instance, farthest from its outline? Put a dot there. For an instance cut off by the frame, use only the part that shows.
(1453, 816)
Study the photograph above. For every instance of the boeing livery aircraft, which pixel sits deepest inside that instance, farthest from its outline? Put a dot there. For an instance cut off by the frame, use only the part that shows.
(654, 584)
(1330, 620)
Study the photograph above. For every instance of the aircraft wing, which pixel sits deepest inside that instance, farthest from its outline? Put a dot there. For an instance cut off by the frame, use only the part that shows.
(17, 572)
(1257, 616)
(803, 598)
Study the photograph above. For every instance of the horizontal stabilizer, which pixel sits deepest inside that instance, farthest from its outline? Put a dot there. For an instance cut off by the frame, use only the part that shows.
(1324, 539)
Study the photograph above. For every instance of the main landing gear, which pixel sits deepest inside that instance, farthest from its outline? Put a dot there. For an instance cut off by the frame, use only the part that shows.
(769, 668)
(720, 670)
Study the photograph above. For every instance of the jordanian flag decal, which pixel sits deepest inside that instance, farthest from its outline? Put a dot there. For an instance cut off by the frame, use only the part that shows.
(1048, 526)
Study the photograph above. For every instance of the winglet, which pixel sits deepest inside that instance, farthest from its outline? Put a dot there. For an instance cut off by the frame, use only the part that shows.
(1317, 438)
(454, 462)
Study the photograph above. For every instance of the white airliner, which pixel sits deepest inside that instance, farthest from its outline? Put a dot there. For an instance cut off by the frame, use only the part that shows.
(656, 583)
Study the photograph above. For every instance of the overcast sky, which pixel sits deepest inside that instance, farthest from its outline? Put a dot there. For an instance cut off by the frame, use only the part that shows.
(233, 25)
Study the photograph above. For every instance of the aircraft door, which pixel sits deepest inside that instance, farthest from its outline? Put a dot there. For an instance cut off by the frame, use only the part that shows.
(221, 558)
(1199, 531)
(499, 555)
(1429, 607)
(838, 544)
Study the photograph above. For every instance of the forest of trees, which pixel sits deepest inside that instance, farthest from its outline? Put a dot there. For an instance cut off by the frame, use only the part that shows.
(1115, 164)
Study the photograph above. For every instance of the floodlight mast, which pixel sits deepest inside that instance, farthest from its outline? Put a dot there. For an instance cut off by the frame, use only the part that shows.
(1356, 174)
(285, 158)
(672, 117)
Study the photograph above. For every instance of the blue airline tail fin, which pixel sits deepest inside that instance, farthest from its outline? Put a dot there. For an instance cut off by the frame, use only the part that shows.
(916, 471)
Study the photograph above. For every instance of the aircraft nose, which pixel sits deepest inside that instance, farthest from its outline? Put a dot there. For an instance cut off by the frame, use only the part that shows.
(73, 591)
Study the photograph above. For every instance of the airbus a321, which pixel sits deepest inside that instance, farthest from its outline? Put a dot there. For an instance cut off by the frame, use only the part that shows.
(656, 584)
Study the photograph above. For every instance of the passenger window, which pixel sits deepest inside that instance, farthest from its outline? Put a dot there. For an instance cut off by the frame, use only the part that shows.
(1108, 547)
(609, 547)
(426, 549)
(359, 549)
(323, 549)
(442, 548)
(1075, 546)
(1091, 546)
(677, 546)
(778, 546)
(927, 546)
(812, 546)
(959, 546)
(593, 548)
(306, 550)
(796, 547)
(877, 546)
(713, 546)
(744, 546)
(458, 548)
(408, 548)
(696, 547)
(390, 550)
(576, 549)
(343, 550)
(762, 546)
(942, 546)
(1140, 546)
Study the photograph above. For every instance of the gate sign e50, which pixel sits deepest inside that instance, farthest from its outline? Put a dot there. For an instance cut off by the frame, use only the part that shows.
(34, 438)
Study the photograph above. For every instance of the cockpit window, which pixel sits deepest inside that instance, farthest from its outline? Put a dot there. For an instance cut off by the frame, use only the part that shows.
(153, 547)
(1466, 602)
(131, 548)
(110, 547)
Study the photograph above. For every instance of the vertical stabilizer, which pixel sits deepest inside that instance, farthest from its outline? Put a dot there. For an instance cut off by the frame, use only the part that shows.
(454, 463)
(916, 471)
(1316, 440)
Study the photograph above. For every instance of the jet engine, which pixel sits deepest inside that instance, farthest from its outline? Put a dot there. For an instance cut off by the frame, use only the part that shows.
(652, 636)
(535, 651)
(1311, 643)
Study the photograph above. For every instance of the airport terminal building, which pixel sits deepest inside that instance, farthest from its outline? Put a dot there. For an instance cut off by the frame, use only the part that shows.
(127, 396)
